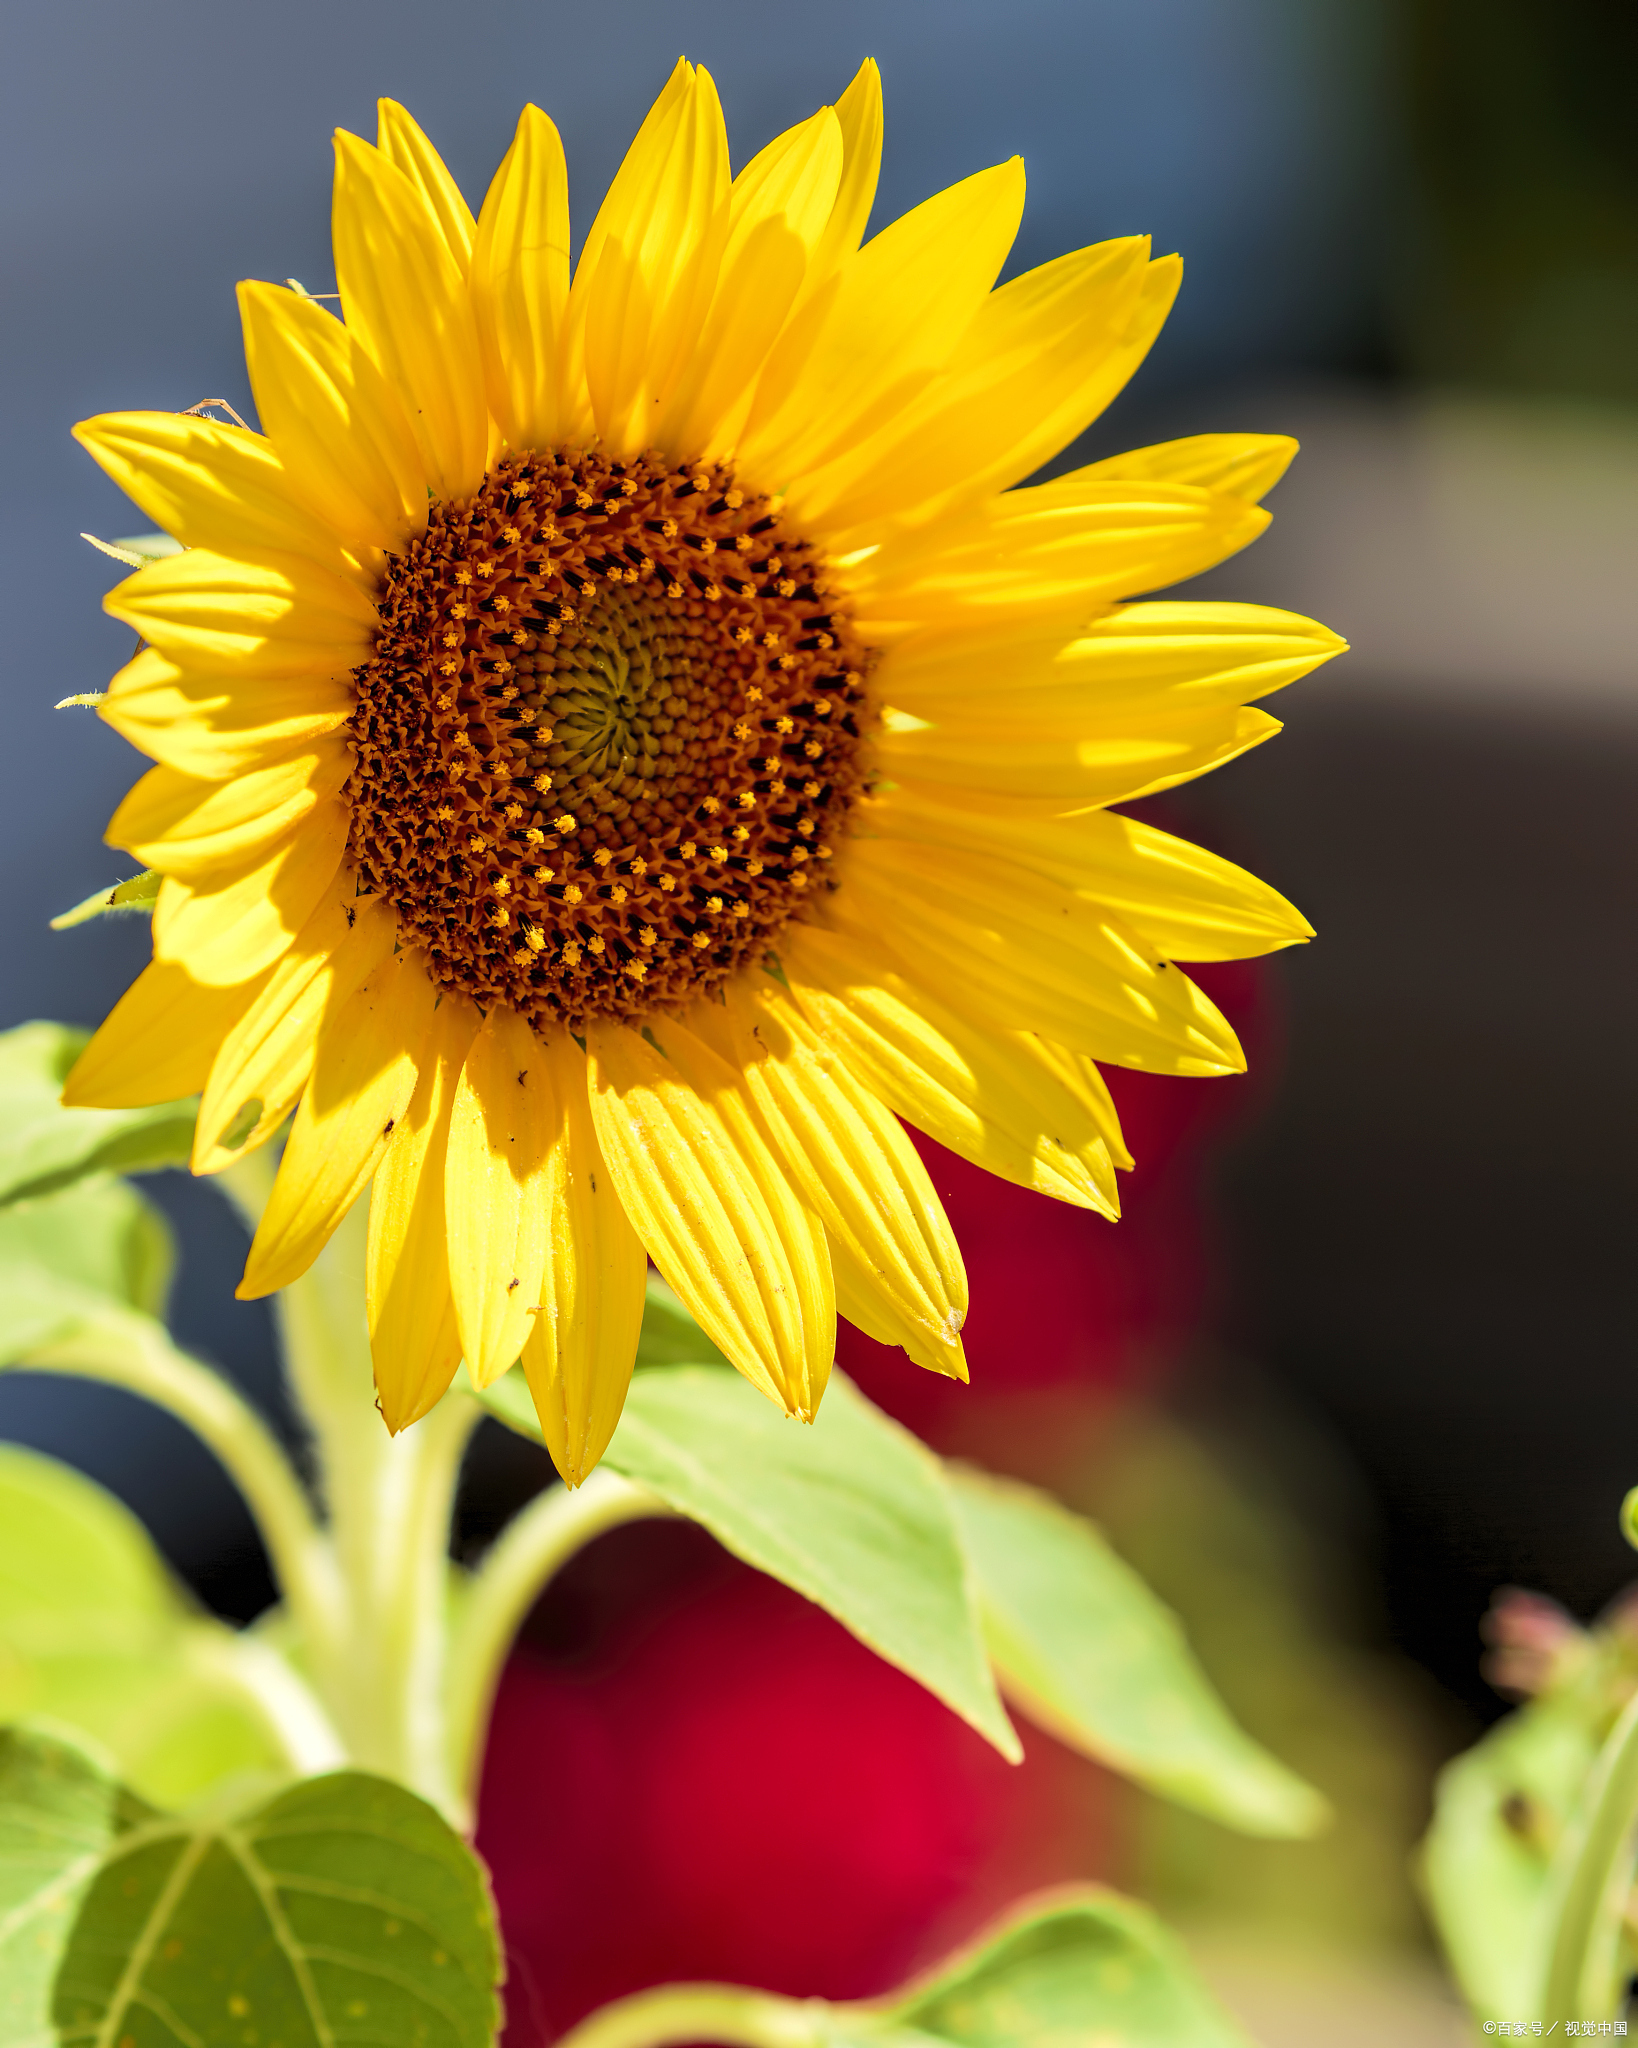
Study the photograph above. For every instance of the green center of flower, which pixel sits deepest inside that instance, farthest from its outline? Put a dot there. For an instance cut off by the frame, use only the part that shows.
(608, 737)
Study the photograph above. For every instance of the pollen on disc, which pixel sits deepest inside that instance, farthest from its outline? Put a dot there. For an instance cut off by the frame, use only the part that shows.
(608, 735)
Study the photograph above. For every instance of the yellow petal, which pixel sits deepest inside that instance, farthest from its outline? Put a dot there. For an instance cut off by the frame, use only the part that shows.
(266, 1059)
(406, 300)
(370, 1046)
(208, 485)
(706, 405)
(414, 1340)
(216, 726)
(795, 179)
(933, 674)
(1054, 552)
(1148, 696)
(1245, 465)
(648, 271)
(1042, 358)
(401, 141)
(239, 926)
(989, 1096)
(715, 1210)
(854, 1167)
(778, 209)
(618, 219)
(900, 309)
(506, 1118)
(191, 828)
(581, 1345)
(1079, 1074)
(1020, 953)
(625, 203)
(281, 615)
(341, 434)
(1135, 757)
(862, 1300)
(859, 116)
(158, 1041)
(1134, 661)
(1189, 904)
(520, 286)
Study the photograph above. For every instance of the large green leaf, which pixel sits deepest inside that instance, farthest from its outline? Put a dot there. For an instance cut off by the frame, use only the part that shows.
(44, 1146)
(344, 1909)
(58, 1811)
(852, 1512)
(96, 1634)
(1085, 1650)
(1081, 1968)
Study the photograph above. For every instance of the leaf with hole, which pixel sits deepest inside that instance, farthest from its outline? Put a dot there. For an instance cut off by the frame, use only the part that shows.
(1500, 1810)
(44, 1146)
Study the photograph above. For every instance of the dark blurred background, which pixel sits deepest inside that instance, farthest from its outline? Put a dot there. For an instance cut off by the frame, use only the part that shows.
(1411, 238)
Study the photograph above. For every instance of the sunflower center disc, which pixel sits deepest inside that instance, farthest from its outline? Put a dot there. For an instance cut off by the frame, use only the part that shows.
(607, 738)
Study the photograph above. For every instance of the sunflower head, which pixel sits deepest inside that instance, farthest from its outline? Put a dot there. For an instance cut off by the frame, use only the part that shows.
(627, 745)
(640, 743)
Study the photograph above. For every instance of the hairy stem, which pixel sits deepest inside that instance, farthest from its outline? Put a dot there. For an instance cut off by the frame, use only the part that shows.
(523, 1558)
(130, 1351)
(1584, 1977)
(288, 1706)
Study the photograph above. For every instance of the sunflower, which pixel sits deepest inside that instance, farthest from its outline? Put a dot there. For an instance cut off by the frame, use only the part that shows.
(625, 742)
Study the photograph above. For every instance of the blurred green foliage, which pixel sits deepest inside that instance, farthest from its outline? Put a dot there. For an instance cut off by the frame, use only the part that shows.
(1273, 1613)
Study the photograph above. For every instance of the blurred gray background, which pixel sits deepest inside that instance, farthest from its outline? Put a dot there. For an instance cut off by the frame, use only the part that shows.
(1408, 232)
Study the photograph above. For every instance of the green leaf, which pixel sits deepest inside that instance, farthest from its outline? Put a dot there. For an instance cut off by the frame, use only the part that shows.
(58, 1812)
(69, 1258)
(1081, 1968)
(1085, 1650)
(344, 1909)
(851, 1512)
(1499, 1810)
(98, 1237)
(44, 1146)
(670, 1335)
(138, 894)
(96, 1634)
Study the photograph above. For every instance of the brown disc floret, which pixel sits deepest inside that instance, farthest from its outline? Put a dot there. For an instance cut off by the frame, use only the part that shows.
(608, 735)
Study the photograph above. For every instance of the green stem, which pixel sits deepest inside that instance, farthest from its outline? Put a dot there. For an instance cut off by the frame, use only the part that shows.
(1584, 1978)
(289, 1708)
(390, 1502)
(523, 1558)
(131, 1352)
(674, 2014)
(394, 1529)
